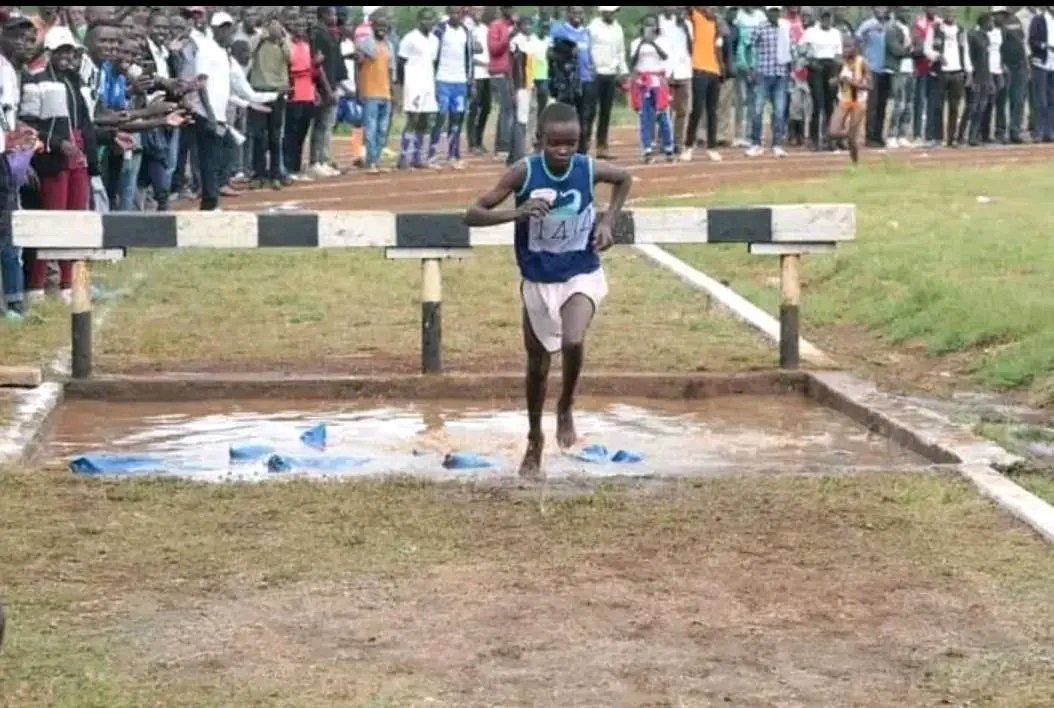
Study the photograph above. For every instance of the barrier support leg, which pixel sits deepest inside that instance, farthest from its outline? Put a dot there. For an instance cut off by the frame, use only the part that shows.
(81, 356)
(431, 316)
(790, 299)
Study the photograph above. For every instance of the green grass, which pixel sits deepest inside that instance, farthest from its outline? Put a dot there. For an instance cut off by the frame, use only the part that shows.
(933, 270)
(907, 589)
(355, 311)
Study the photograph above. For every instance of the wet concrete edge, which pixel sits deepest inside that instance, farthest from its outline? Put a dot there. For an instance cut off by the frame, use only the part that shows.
(937, 438)
(22, 437)
(479, 387)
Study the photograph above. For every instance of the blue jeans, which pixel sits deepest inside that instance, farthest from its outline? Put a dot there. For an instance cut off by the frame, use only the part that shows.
(173, 153)
(377, 118)
(128, 182)
(154, 173)
(746, 90)
(923, 89)
(903, 96)
(648, 117)
(770, 89)
(11, 267)
(1043, 90)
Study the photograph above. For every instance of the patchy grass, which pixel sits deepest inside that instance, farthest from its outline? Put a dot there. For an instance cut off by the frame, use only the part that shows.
(45, 331)
(937, 284)
(908, 590)
(355, 311)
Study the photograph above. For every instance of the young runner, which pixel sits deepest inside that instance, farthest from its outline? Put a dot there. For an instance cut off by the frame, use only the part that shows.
(418, 53)
(854, 82)
(558, 239)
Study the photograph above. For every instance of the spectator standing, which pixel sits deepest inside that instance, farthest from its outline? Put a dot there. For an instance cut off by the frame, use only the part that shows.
(872, 37)
(300, 110)
(771, 68)
(159, 40)
(924, 74)
(1041, 44)
(748, 19)
(799, 105)
(16, 146)
(945, 47)
(707, 72)
(901, 65)
(453, 77)
(982, 85)
(203, 57)
(1025, 15)
(325, 40)
(649, 90)
(244, 97)
(418, 53)
(374, 82)
(52, 104)
(539, 64)
(573, 34)
(269, 72)
(522, 85)
(999, 79)
(607, 47)
(1015, 60)
(498, 36)
(823, 47)
(479, 105)
(677, 33)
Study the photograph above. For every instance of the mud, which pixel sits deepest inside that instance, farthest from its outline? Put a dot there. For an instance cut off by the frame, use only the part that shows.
(705, 437)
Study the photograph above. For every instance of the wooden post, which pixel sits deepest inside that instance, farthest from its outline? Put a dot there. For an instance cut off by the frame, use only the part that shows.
(790, 299)
(431, 316)
(81, 321)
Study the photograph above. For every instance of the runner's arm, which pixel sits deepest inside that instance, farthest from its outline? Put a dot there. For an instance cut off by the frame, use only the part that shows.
(621, 180)
(485, 211)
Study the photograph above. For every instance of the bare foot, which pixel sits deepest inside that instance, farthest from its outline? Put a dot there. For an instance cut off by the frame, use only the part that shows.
(566, 436)
(531, 467)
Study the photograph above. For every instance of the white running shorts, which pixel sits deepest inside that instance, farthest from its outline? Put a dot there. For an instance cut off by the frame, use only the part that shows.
(543, 301)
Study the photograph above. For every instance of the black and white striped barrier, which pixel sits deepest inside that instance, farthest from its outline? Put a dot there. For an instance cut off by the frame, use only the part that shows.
(784, 230)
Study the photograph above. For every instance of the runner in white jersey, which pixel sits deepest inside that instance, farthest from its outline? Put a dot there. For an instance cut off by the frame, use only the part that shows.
(418, 52)
(453, 73)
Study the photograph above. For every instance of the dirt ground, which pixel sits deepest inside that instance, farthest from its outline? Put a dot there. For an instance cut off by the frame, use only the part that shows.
(447, 189)
(765, 590)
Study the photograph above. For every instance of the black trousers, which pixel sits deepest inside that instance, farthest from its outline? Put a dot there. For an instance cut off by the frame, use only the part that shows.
(706, 95)
(950, 88)
(824, 94)
(478, 112)
(606, 86)
(876, 108)
(586, 105)
(266, 132)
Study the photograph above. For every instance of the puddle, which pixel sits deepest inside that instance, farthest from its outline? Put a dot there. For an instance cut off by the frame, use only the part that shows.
(781, 433)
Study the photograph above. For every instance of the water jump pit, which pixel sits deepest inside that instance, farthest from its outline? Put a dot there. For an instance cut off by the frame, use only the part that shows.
(770, 428)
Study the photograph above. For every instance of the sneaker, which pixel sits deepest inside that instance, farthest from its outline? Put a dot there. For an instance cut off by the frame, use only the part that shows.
(741, 143)
(317, 171)
(34, 297)
(66, 295)
(300, 177)
(647, 158)
(779, 152)
(686, 155)
(755, 151)
(373, 170)
(892, 143)
(670, 157)
(714, 155)
(457, 164)
(12, 316)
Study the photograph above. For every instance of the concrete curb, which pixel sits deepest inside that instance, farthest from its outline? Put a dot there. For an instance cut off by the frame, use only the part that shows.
(743, 308)
(937, 438)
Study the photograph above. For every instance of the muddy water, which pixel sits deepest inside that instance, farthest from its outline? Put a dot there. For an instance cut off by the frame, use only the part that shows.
(781, 433)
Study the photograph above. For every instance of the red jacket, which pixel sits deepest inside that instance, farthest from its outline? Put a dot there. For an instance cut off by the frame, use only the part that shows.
(498, 36)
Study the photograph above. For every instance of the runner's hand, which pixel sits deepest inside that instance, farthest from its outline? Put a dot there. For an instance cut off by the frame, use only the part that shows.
(603, 237)
(533, 209)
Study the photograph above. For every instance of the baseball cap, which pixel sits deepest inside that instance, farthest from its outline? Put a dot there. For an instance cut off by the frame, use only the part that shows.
(220, 19)
(58, 37)
(1000, 8)
(609, 8)
(368, 10)
(773, 7)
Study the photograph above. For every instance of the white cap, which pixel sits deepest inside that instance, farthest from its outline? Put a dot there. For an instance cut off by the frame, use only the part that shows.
(609, 8)
(1000, 8)
(368, 10)
(773, 7)
(220, 19)
(59, 37)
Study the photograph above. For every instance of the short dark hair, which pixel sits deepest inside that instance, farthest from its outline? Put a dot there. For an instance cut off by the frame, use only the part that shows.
(424, 12)
(556, 113)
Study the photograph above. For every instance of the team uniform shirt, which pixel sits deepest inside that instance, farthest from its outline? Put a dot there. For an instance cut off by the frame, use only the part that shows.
(420, 51)
(452, 73)
(555, 253)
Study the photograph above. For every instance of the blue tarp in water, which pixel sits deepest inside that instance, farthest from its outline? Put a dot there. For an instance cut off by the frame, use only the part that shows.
(597, 453)
(466, 461)
(289, 463)
(315, 437)
(249, 453)
(127, 465)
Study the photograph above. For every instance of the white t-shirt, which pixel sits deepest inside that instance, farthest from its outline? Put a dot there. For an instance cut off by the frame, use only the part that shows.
(481, 62)
(452, 56)
(823, 44)
(677, 37)
(995, 51)
(420, 52)
(649, 60)
(347, 48)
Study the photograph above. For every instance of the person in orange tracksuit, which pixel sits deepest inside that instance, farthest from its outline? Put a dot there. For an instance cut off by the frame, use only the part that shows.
(854, 84)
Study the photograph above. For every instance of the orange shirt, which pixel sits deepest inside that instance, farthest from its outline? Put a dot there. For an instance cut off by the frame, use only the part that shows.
(704, 44)
(301, 72)
(375, 78)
